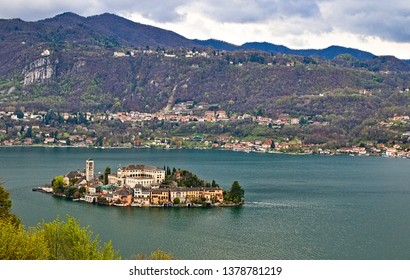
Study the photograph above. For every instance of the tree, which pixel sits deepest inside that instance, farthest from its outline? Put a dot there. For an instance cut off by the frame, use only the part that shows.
(29, 133)
(19, 113)
(67, 240)
(57, 240)
(17, 244)
(156, 255)
(58, 184)
(236, 193)
(70, 191)
(106, 173)
(5, 207)
(100, 141)
(161, 255)
(272, 146)
(177, 200)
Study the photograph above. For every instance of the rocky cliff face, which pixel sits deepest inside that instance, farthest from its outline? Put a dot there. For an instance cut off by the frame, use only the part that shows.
(38, 71)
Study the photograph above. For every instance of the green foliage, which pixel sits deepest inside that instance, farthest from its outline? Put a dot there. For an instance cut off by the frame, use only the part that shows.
(64, 240)
(177, 200)
(236, 194)
(58, 184)
(107, 172)
(57, 240)
(156, 255)
(5, 207)
(70, 191)
(67, 240)
(189, 179)
(18, 244)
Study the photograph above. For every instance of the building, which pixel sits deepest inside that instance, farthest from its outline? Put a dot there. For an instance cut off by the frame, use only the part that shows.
(213, 194)
(89, 170)
(137, 174)
(123, 196)
(142, 196)
(391, 152)
(159, 197)
(72, 177)
(145, 181)
(179, 193)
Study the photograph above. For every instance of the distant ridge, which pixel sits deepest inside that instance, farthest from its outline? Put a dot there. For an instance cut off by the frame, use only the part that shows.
(217, 44)
(111, 30)
(120, 30)
(106, 62)
(327, 53)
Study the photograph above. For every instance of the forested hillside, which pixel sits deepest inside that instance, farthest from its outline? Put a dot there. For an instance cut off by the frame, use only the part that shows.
(71, 63)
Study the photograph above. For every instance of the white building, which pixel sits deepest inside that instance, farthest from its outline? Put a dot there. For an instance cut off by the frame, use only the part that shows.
(137, 174)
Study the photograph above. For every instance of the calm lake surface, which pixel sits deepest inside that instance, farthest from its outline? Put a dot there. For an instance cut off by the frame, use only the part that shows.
(297, 207)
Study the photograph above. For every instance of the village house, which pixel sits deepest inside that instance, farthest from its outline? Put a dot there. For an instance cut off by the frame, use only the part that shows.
(213, 194)
(142, 196)
(179, 193)
(160, 197)
(267, 144)
(123, 196)
(72, 177)
(193, 194)
(391, 152)
(221, 114)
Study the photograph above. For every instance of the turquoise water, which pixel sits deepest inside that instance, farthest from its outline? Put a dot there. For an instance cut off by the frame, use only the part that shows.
(297, 207)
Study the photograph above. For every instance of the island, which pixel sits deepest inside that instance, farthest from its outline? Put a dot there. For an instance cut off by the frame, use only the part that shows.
(142, 185)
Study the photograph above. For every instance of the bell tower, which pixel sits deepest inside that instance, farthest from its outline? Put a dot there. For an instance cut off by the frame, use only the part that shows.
(89, 170)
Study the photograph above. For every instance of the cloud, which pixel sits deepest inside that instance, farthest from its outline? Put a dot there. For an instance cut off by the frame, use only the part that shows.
(385, 19)
(303, 23)
(252, 11)
(238, 11)
(157, 10)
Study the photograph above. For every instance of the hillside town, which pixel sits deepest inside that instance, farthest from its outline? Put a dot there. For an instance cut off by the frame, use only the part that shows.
(141, 185)
(149, 130)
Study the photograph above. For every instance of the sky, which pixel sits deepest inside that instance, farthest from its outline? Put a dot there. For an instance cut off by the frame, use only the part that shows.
(378, 26)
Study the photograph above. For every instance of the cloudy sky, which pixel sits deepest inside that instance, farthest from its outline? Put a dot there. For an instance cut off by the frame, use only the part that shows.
(381, 27)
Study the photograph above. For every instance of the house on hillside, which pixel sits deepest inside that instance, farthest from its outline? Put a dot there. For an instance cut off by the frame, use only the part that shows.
(391, 152)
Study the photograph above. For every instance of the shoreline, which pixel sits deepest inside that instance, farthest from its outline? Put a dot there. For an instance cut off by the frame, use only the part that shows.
(208, 149)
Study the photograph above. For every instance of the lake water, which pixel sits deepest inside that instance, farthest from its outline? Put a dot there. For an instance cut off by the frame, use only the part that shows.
(297, 207)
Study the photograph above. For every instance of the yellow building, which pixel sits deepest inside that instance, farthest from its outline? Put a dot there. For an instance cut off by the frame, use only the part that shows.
(213, 194)
(193, 194)
(159, 197)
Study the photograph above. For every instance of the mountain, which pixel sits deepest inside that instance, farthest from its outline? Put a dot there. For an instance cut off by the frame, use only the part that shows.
(106, 62)
(217, 44)
(106, 30)
(327, 53)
